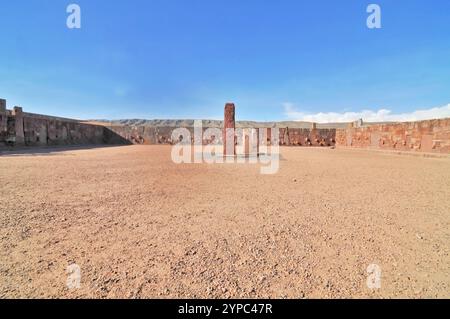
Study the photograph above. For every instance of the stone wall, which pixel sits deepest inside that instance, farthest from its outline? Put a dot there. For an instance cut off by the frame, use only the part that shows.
(431, 136)
(3, 120)
(40, 131)
(288, 137)
(307, 137)
(18, 128)
(146, 135)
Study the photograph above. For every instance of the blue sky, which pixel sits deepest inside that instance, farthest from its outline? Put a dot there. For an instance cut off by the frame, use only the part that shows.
(276, 60)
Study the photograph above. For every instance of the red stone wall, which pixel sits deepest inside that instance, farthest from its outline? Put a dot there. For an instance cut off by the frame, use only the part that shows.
(229, 123)
(41, 131)
(288, 137)
(425, 136)
(28, 129)
(307, 137)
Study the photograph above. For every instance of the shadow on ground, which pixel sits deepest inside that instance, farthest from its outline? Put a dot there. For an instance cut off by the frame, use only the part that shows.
(50, 150)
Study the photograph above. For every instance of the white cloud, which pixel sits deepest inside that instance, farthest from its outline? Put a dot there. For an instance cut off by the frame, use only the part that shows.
(382, 115)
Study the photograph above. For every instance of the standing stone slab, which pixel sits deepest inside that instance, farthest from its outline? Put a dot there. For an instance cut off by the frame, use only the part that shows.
(3, 121)
(2, 106)
(19, 129)
(229, 126)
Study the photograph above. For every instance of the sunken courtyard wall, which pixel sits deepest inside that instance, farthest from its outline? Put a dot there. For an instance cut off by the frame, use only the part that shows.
(431, 136)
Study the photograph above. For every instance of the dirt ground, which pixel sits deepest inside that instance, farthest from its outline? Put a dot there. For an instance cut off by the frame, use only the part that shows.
(140, 226)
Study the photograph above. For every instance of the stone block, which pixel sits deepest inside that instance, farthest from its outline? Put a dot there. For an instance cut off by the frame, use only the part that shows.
(17, 111)
(2, 106)
(19, 127)
(229, 126)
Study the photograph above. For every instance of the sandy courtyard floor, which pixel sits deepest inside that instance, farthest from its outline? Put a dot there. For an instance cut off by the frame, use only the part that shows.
(139, 225)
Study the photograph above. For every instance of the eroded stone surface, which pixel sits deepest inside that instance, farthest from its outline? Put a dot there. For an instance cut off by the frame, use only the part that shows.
(423, 136)
(18, 128)
(229, 126)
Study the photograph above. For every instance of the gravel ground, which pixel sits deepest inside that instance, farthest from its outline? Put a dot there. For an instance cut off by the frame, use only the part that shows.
(141, 226)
